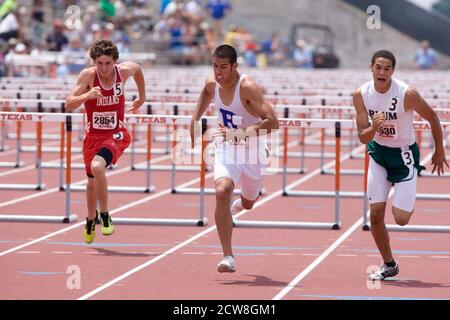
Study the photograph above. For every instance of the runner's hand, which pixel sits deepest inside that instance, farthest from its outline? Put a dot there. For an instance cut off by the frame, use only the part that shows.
(95, 93)
(377, 120)
(135, 105)
(438, 161)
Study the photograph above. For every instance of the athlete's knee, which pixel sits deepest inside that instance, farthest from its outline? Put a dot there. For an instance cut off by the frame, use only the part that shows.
(90, 187)
(401, 221)
(377, 214)
(401, 217)
(224, 191)
(247, 204)
(97, 167)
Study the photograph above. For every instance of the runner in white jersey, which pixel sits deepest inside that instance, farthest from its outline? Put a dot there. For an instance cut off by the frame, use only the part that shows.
(394, 154)
(245, 117)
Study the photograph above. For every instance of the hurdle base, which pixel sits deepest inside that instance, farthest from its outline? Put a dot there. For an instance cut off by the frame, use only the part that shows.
(161, 222)
(325, 194)
(414, 228)
(285, 225)
(296, 154)
(433, 196)
(208, 191)
(113, 189)
(166, 168)
(288, 170)
(12, 164)
(49, 165)
(37, 218)
(354, 172)
(22, 187)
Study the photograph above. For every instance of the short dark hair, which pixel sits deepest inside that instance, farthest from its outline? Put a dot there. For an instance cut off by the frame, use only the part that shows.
(384, 54)
(226, 51)
(104, 48)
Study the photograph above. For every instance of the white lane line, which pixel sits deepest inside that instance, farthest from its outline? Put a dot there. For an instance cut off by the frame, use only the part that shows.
(43, 193)
(439, 257)
(210, 229)
(195, 253)
(132, 204)
(323, 256)
(319, 260)
(346, 255)
(61, 252)
(29, 252)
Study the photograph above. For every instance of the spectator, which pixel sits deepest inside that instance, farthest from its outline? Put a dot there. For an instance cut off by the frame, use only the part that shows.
(425, 57)
(302, 55)
(38, 21)
(56, 40)
(7, 7)
(217, 10)
(10, 26)
(163, 6)
(74, 56)
(3, 50)
(107, 10)
(14, 69)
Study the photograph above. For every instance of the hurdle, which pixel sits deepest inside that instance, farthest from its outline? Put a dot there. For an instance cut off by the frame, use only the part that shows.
(208, 191)
(201, 220)
(18, 163)
(424, 196)
(39, 118)
(39, 185)
(287, 123)
(148, 188)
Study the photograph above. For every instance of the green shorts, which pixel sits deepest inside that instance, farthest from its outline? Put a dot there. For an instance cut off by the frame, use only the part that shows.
(398, 162)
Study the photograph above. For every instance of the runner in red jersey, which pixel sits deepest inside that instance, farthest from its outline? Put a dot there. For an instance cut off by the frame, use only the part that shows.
(101, 89)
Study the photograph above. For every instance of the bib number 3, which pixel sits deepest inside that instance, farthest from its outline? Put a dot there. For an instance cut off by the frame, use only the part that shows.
(407, 157)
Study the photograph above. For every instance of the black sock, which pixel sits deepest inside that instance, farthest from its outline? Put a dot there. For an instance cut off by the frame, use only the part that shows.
(105, 219)
(390, 264)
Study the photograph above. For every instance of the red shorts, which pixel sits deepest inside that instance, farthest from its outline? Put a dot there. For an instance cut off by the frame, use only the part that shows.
(116, 143)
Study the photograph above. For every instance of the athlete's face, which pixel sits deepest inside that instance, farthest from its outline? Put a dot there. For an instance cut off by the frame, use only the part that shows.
(382, 71)
(222, 69)
(105, 66)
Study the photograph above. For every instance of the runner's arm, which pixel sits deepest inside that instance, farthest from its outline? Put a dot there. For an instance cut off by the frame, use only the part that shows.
(366, 132)
(417, 103)
(260, 107)
(134, 70)
(203, 102)
(81, 93)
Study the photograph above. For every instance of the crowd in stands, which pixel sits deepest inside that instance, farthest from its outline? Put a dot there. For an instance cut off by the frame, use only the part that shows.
(186, 30)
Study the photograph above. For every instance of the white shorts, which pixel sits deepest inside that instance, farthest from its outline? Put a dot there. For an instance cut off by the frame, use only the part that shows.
(404, 196)
(232, 164)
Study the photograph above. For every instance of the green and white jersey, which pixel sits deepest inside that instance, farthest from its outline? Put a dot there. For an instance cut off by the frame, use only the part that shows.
(397, 130)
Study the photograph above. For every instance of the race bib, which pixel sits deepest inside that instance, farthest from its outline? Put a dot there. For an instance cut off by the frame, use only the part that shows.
(408, 158)
(104, 120)
(118, 89)
(388, 131)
